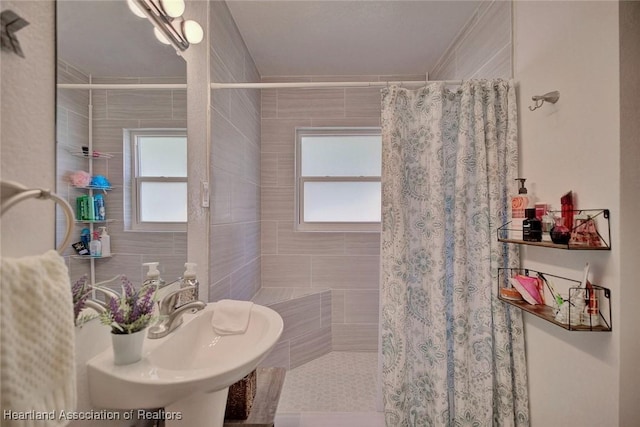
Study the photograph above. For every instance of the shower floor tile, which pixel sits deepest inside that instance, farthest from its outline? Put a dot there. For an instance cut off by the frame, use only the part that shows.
(331, 419)
(344, 382)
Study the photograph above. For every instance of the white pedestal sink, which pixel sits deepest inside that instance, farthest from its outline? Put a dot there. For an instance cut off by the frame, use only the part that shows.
(188, 373)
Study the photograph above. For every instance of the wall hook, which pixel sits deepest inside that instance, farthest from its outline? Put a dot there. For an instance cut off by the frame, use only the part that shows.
(551, 97)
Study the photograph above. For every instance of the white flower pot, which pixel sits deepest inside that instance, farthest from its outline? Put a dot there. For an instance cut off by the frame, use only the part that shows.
(127, 348)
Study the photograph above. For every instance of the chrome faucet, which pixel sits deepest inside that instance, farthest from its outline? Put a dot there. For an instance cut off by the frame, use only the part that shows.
(171, 312)
(99, 305)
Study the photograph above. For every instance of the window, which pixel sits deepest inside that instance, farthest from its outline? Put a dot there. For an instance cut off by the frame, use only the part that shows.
(338, 179)
(157, 175)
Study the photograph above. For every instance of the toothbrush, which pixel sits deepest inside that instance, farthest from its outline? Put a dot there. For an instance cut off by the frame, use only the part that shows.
(556, 296)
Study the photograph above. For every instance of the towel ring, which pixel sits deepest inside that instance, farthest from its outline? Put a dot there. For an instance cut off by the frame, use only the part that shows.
(24, 193)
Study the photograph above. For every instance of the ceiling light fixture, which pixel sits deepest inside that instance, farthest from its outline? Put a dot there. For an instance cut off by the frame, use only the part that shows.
(135, 9)
(170, 26)
(161, 37)
(173, 8)
(192, 31)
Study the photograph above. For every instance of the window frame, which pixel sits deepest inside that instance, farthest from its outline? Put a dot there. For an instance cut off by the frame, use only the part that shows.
(338, 226)
(133, 181)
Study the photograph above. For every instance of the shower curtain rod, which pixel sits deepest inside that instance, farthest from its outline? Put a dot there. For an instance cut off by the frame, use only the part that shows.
(279, 85)
(310, 85)
(122, 85)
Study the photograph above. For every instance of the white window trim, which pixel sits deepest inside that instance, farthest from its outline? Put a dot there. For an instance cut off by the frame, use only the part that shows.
(132, 183)
(300, 224)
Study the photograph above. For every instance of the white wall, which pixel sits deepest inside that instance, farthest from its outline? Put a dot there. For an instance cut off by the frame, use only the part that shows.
(629, 206)
(574, 145)
(28, 128)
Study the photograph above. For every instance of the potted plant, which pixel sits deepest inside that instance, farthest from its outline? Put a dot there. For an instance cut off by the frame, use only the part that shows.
(129, 315)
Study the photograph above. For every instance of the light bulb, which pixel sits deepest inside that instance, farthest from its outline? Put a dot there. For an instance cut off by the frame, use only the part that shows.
(173, 8)
(160, 36)
(135, 9)
(192, 31)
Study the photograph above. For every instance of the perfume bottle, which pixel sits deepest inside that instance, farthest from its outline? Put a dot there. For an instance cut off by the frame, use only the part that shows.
(560, 233)
(531, 227)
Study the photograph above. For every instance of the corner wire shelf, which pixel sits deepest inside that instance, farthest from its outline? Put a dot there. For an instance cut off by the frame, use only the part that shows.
(547, 312)
(91, 256)
(94, 187)
(95, 221)
(600, 217)
(79, 152)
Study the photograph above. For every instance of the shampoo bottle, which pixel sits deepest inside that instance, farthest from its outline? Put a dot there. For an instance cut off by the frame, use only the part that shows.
(95, 247)
(105, 241)
(99, 209)
(91, 215)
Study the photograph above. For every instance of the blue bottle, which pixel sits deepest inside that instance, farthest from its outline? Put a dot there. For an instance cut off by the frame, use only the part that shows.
(85, 237)
(99, 209)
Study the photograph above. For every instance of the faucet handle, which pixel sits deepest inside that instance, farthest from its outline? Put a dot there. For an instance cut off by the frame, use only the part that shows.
(171, 301)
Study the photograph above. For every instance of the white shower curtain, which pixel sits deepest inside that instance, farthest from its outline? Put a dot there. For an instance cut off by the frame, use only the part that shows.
(453, 355)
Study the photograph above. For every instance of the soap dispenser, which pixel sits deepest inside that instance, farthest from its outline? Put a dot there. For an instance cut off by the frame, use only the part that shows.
(189, 280)
(519, 203)
(105, 240)
(153, 275)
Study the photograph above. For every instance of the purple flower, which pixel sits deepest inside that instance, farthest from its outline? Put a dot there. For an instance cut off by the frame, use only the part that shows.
(132, 311)
(80, 291)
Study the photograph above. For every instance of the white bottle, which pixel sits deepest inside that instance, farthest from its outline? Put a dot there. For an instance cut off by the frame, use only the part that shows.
(153, 275)
(95, 247)
(105, 241)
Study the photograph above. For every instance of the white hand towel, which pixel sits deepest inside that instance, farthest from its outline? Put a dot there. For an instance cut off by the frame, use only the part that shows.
(231, 317)
(37, 339)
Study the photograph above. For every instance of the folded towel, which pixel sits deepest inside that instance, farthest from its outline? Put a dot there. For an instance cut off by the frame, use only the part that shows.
(528, 288)
(231, 317)
(37, 339)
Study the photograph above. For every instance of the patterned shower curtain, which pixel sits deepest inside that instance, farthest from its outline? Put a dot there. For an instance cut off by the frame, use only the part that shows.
(453, 355)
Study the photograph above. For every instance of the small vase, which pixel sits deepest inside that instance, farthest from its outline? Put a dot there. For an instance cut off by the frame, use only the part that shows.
(560, 234)
(127, 348)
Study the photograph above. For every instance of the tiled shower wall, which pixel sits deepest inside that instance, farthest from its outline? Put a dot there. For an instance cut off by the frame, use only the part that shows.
(345, 263)
(113, 111)
(235, 259)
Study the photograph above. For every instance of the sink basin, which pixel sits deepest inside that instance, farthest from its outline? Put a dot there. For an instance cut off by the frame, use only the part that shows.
(186, 368)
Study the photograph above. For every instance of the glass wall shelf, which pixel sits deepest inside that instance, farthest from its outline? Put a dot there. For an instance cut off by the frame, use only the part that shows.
(598, 218)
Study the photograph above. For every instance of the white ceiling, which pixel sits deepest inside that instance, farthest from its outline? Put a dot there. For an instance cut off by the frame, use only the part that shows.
(348, 37)
(300, 37)
(103, 38)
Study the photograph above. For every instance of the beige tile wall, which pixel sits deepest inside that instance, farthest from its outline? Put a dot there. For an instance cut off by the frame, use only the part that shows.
(235, 264)
(307, 331)
(345, 263)
(113, 111)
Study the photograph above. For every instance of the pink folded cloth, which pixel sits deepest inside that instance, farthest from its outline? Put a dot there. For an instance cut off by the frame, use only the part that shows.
(528, 288)
(231, 317)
